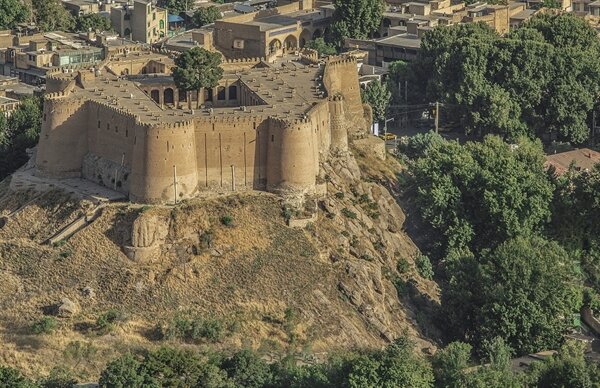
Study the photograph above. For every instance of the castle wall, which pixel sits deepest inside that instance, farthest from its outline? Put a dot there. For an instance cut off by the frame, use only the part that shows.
(169, 154)
(292, 168)
(63, 141)
(231, 153)
(341, 77)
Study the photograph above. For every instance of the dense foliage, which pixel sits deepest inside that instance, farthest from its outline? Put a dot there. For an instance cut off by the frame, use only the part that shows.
(13, 12)
(51, 15)
(488, 205)
(197, 68)
(521, 292)
(322, 47)
(378, 96)
(396, 366)
(92, 22)
(19, 132)
(478, 195)
(541, 79)
(206, 15)
(357, 19)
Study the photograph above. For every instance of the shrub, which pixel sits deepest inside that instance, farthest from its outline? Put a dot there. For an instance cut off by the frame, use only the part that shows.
(46, 325)
(424, 266)
(59, 378)
(348, 213)
(227, 220)
(65, 254)
(339, 195)
(194, 329)
(403, 266)
(108, 321)
(10, 377)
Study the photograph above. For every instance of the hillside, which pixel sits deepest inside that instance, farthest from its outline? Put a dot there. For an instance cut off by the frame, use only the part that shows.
(282, 290)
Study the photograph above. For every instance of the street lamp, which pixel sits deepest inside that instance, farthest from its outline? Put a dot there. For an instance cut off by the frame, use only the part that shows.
(385, 127)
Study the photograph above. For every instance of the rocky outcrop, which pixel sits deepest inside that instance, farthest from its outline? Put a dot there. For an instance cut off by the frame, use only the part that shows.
(148, 233)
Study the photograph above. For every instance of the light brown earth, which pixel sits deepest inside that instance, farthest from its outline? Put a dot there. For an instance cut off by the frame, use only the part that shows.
(335, 274)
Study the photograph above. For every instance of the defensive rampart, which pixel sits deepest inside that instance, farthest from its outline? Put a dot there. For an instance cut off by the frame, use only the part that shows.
(168, 155)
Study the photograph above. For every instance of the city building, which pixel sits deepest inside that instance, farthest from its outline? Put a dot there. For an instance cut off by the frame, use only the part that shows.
(141, 22)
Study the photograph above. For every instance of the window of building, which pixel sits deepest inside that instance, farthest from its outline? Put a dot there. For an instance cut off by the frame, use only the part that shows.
(221, 93)
(233, 92)
(161, 24)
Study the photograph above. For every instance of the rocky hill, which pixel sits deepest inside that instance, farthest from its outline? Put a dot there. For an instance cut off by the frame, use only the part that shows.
(277, 278)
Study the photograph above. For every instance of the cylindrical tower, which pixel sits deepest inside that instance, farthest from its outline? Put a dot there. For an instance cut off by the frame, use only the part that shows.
(291, 167)
(339, 133)
(63, 137)
(164, 167)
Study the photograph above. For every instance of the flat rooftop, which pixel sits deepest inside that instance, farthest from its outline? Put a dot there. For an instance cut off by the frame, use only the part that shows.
(288, 88)
(401, 40)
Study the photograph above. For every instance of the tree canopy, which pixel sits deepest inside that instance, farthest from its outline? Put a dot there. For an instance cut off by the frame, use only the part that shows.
(51, 15)
(378, 96)
(521, 291)
(480, 194)
(13, 12)
(197, 68)
(322, 47)
(206, 15)
(356, 19)
(92, 22)
(19, 132)
(541, 79)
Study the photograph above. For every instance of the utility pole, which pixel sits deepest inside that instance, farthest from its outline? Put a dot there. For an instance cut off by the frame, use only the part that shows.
(175, 182)
(593, 127)
(437, 117)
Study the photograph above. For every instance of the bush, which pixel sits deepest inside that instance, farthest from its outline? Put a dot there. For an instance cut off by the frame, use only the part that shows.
(339, 195)
(424, 266)
(12, 378)
(403, 266)
(46, 325)
(108, 321)
(348, 213)
(194, 329)
(59, 378)
(227, 220)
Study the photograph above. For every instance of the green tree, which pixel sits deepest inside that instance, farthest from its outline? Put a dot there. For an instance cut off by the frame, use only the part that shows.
(92, 22)
(378, 96)
(206, 15)
(522, 292)
(13, 12)
(322, 47)
(497, 372)
(469, 204)
(246, 369)
(450, 364)
(568, 368)
(540, 79)
(396, 366)
(58, 378)
(357, 19)
(21, 131)
(123, 372)
(10, 377)
(197, 68)
(51, 15)
(175, 7)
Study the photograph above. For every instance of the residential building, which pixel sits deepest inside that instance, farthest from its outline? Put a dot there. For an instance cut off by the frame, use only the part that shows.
(142, 22)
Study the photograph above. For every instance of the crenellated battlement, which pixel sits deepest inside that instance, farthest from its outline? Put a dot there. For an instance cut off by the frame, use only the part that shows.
(271, 135)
